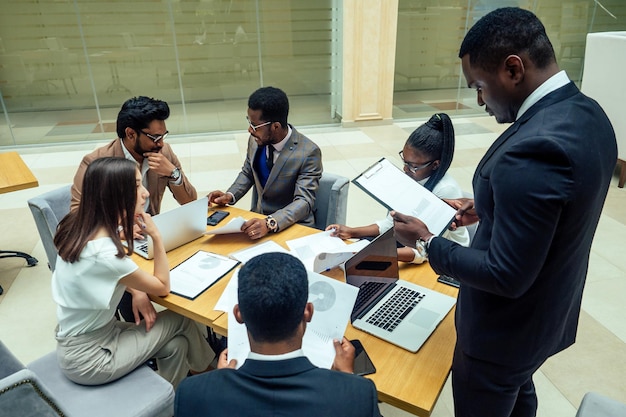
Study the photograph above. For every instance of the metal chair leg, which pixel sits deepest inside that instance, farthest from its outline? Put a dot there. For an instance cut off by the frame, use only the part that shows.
(32, 261)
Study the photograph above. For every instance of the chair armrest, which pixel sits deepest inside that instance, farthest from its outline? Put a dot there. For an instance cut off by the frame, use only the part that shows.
(22, 393)
(9, 364)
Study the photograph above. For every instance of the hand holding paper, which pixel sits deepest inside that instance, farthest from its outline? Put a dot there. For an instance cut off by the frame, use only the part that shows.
(233, 226)
(408, 229)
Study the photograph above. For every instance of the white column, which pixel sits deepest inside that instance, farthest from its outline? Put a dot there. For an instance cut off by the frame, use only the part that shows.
(369, 52)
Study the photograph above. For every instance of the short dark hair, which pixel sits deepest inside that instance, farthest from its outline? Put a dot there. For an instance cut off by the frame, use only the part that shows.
(138, 112)
(435, 138)
(109, 194)
(507, 31)
(272, 102)
(273, 292)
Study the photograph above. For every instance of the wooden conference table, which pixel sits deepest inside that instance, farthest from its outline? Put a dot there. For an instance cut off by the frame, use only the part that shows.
(409, 381)
(14, 176)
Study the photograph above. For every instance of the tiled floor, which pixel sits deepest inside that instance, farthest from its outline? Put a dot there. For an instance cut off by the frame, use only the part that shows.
(596, 362)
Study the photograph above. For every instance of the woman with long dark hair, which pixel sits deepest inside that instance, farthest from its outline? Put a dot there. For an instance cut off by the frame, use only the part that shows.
(427, 155)
(93, 271)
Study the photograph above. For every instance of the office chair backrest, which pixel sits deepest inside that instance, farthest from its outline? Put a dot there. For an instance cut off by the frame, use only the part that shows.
(331, 201)
(48, 209)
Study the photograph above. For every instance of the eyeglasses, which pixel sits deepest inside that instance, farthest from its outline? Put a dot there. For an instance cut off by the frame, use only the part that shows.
(412, 167)
(254, 128)
(155, 138)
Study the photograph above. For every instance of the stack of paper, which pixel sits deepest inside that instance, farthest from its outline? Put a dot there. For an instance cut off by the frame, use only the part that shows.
(321, 252)
(244, 255)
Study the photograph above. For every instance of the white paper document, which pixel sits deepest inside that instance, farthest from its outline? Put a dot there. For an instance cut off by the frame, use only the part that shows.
(244, 255)
(321, 252)
(332, 304)
(228, 299)
(199, 272)
(395, 190)
(308, 247)
(328, 260)
(233, 226)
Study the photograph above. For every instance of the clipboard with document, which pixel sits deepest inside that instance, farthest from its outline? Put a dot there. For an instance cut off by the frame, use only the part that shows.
(198, 273)
(395, 190)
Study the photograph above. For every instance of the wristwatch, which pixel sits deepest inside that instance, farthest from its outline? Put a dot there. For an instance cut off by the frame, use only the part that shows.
(424, 244)
(175, 175)
(271, 223)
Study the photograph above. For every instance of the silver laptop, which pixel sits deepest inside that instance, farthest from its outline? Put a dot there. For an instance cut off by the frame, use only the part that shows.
(394, 310)
(177, 226)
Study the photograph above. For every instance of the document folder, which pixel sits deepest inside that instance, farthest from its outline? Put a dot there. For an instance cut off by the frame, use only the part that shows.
(395, 190)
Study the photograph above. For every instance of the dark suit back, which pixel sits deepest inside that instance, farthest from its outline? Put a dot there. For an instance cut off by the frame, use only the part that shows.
(539, 192)
(292, 387)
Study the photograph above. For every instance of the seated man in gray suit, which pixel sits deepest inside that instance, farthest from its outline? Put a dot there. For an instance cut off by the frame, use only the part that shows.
(283, 165)
(277, 379)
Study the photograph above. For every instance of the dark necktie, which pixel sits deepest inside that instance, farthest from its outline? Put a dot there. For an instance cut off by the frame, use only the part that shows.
(270, 157)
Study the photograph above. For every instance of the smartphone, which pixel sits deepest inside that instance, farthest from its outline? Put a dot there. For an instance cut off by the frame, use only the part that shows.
(449, 281)
(362, 363)
(216, 217)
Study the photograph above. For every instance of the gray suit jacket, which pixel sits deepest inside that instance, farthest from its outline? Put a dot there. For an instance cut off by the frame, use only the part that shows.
(289, 194)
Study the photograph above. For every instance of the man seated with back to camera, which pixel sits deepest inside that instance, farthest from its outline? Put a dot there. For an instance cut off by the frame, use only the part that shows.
(277, 378)
(282, 165)
(141, 134)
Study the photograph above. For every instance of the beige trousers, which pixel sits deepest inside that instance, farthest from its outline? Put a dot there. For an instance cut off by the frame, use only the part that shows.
(109, 353)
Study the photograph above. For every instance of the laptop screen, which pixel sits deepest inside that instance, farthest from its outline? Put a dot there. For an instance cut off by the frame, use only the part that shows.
(378, 261)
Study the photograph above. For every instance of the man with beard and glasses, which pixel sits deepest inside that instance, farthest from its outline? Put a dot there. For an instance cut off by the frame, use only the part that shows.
(141, 130)
(141, 134)
(282, 165)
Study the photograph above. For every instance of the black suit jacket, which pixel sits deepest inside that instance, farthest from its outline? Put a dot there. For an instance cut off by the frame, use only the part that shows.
(538, 191)
(293, 387)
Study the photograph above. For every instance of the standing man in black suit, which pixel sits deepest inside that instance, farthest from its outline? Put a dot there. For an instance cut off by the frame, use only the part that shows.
(276, 378)
(539, 192)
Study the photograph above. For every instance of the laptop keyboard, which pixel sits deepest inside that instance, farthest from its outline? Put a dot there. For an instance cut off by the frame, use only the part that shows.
(141, 245)
(395, 309)
(366, 291)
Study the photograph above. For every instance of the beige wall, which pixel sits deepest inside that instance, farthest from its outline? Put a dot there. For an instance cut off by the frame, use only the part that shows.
(369, 49)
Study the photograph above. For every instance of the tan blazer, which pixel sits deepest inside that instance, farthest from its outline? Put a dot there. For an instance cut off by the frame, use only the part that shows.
(183, 193)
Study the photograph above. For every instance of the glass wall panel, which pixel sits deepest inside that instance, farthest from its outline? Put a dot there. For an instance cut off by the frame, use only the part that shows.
(428, 75)
(67, 66)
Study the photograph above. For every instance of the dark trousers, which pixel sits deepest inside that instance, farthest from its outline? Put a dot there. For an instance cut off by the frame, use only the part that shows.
(485, 389)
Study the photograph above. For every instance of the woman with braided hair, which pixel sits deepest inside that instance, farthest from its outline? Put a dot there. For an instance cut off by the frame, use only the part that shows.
(427, 155)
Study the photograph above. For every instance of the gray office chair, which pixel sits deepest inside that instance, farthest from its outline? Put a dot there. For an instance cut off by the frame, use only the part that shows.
(48, 209)
(41, 389)
(596, 405)
(331, 201)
